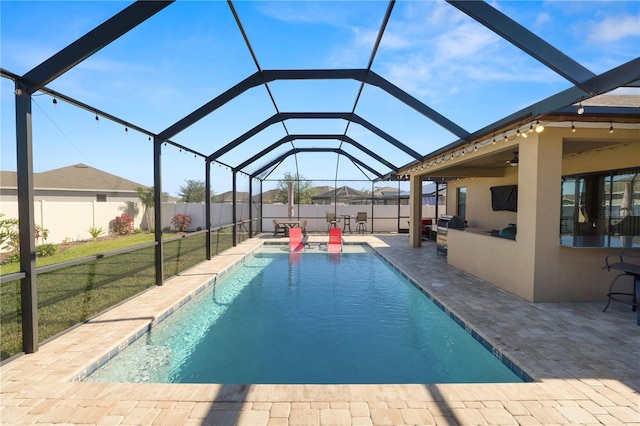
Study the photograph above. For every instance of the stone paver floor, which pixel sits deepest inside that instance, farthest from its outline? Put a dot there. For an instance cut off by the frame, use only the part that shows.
(586, 364)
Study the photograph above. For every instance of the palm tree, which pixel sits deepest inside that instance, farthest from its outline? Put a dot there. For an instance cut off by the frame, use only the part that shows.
(147, 197)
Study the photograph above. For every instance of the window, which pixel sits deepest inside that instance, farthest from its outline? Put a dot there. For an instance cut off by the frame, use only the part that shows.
(601, 209)
(101, 198)
(462, 202)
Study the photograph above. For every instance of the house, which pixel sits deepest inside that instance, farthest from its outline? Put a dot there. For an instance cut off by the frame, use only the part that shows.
(576, 180)
(342, 195)
(70, 200)
(78, 182)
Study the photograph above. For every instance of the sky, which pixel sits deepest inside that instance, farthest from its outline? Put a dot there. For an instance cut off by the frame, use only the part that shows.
(192, 51)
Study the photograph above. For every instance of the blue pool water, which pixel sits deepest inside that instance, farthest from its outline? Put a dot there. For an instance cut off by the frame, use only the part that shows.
(313, 318)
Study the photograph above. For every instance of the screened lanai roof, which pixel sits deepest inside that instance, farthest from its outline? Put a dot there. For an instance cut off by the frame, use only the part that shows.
(330, 90)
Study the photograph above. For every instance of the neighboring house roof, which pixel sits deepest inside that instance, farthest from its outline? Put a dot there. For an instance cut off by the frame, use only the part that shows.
(344, 192)
(76, 177)
(227, 197)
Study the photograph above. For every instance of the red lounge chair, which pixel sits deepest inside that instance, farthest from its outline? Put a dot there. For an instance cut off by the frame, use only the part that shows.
(335, 240)
(295, 240)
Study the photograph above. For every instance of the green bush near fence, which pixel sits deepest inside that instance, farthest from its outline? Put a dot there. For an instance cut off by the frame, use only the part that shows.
(71, 295)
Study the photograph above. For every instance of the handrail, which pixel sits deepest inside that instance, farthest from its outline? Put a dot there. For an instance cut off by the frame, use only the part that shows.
(80, 261)
(189, 235)
(75, 262)
(12, 277)
(50, 268)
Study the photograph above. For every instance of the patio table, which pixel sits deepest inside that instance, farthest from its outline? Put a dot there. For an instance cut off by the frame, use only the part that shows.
(289, 224)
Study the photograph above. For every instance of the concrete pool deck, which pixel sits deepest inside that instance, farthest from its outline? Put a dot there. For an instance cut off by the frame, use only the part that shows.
(586, 364)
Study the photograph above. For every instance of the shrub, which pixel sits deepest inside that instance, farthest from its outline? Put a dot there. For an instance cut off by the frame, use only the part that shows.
(137, 231)
(121, 225)
(181, 221)
(45, 250)
(96, 232)
(10, 237)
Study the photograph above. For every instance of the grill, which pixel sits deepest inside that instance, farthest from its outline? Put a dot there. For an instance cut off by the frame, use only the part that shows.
(445, 223)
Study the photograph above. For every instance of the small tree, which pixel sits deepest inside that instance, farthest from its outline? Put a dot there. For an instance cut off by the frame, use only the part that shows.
(147, 197)
(193, 192)
(303, 190)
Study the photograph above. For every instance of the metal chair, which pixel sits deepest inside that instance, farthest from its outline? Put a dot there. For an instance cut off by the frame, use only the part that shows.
(332, 220)
(361, 223)
(279, 229)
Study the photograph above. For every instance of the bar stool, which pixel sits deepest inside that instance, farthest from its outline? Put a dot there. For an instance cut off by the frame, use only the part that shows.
(346, 223)
(361, 223)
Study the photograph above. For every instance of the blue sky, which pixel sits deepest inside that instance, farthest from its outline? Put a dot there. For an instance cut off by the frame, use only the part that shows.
(192, 51)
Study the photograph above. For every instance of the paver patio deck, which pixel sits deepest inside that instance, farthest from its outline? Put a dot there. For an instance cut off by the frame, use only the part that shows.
(586, 364)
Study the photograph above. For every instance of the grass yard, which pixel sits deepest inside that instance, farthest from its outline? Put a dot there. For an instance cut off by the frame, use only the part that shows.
(71, 295)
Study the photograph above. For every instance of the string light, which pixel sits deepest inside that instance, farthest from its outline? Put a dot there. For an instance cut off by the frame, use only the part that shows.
(531, 126)
(611, 127)
(97, 118)
(539, 127)
(580, 109)
(126, 130)
(573, 128)
(55, 102)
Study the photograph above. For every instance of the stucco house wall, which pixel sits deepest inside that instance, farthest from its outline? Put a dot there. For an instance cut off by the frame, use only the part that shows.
(535, 266)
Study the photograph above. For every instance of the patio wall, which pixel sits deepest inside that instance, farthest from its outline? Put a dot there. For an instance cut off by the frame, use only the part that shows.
(535, 266)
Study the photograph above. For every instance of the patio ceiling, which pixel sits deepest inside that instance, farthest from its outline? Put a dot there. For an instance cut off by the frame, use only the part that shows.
(380, 105)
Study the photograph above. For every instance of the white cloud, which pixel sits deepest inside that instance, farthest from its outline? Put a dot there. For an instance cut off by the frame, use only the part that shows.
(542, 19)
(303, 12)
(613, 29)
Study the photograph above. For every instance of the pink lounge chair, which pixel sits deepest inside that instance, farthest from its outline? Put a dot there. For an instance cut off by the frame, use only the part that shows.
(295, 240)
(335, 240)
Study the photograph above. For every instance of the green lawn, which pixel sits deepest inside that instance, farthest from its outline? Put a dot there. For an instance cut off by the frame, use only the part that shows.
(88, 248)
(73, 294)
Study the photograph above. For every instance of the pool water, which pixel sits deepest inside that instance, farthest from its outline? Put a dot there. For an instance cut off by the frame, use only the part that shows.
(308, 318)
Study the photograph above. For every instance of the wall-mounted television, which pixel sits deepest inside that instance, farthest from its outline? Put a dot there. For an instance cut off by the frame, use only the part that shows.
(504, 198)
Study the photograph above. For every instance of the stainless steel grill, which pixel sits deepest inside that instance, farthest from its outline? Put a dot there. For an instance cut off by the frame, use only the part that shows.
(445, 223)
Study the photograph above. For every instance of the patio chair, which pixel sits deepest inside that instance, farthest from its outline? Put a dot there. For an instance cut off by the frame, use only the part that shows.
(279, 229)
(361, 223)
(335, 240)
(295, 240)
(303, 226)
(626, 265)
(332, 220)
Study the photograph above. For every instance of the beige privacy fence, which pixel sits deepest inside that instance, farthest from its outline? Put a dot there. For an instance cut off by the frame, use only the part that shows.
(71, 220)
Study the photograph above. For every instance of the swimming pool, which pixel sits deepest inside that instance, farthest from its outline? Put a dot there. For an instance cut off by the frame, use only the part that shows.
(308, 318)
